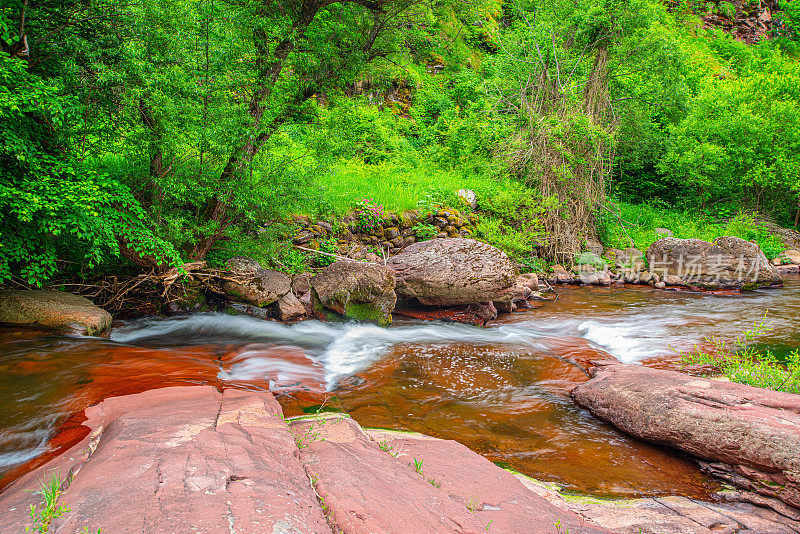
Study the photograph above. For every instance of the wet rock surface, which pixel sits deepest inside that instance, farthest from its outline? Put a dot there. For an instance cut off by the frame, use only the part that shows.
(750, 435)
(53, 310)
(192, 459)
(177, 460)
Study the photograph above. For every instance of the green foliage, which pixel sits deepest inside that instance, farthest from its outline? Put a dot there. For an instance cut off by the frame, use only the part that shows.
(745, 364)
(52, 207)
(330, 246)
(168, 124)
(634, 225)
(368, 215)
(741, 138)
(425, 231)
(49, 509)
(513, 220)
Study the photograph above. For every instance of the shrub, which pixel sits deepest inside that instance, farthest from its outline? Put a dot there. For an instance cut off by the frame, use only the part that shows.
(745, 364)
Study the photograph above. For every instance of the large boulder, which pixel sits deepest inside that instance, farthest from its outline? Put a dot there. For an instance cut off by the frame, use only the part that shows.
(727, 263)
(452, 272)
(255, 285)
(53, 310)
(750, 435)
(358, 290)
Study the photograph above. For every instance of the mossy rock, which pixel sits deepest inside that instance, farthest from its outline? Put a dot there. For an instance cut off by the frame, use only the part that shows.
(54, 310)
(319, 230)
(356, 290)
(409, 219)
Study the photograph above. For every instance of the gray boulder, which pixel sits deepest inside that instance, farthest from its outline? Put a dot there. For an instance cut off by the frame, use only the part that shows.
(257, 286)
(452, 272)
(53, 310)
(357, 290)
(727, 263)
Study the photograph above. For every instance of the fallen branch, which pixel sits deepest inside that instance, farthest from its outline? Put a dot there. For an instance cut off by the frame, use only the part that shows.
(343, 258)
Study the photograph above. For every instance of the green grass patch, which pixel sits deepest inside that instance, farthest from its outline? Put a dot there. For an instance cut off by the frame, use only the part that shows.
(396, 186)
(634, 225)
(745, 364)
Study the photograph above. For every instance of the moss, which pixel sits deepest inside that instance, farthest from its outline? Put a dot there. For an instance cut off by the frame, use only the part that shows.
(367, 312)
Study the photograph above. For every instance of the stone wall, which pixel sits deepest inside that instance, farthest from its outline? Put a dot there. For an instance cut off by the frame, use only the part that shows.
(391, 232)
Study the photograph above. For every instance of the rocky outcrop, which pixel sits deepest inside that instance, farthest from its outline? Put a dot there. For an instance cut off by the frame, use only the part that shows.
(357, 290)
(728, 263)
(752, 434)
(192, 459)
(451, 272)
(53, 310)
(177, 460)
(258, 286)
(453, 490)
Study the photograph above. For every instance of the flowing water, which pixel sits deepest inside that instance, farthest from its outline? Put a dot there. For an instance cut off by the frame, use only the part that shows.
(500, 390)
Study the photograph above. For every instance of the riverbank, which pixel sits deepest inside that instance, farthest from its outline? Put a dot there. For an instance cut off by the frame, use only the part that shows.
(251, 353)
(180, 459)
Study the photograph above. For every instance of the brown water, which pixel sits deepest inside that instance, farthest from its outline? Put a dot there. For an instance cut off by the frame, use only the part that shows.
(501, 390)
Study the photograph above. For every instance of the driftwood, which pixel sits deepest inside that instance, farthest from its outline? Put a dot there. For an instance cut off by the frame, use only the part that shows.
(145, 293)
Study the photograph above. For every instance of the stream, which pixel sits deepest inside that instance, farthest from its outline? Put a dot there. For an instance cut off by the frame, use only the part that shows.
(500, 390)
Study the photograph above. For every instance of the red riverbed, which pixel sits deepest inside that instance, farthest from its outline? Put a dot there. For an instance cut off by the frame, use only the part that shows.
(502, 390)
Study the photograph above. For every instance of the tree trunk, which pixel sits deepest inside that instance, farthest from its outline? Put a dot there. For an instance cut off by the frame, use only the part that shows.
(797, 213)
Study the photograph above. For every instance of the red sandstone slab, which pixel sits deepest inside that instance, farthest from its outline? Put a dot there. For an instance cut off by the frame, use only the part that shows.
(178, 460)
(752, 434)
(369, 490)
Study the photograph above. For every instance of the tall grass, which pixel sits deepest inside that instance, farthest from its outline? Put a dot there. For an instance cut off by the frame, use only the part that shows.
(397, 186)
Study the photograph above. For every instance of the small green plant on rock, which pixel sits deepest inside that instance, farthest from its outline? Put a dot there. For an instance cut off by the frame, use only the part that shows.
(49, 509)
(559, 528)
(385, 447)
(418, 465)
(425, 230)
(433, 482)
(305, 440)
(473, 504)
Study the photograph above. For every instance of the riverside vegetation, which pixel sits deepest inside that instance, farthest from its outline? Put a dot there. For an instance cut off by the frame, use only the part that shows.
(144, 135)
(140, 137)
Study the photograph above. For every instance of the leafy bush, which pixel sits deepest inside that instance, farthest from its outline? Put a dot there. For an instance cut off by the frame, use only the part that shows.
(513, 220)
(53, 208)
(745, 364)
(425, 230)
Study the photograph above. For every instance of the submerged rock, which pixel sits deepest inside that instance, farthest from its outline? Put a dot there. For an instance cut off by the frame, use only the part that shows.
(728, 263)
(754, 432)
(362, 291)
(452, 272)
(53, 310)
